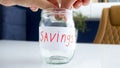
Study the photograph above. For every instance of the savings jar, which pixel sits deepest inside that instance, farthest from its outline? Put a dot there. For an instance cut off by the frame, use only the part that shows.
(57, 35)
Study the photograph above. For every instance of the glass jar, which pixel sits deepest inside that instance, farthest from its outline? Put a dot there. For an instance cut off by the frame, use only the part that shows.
(57, 35)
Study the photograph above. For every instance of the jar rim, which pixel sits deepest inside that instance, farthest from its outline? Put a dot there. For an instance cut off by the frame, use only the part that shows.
(57, 10)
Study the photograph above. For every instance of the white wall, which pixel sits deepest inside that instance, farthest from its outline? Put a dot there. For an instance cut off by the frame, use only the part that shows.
(94, 10)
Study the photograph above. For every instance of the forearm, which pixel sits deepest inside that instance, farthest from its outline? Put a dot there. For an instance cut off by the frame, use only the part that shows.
(1, 1)
(7, 2)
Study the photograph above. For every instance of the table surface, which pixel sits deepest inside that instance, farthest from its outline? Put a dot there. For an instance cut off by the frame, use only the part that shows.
(26, 54)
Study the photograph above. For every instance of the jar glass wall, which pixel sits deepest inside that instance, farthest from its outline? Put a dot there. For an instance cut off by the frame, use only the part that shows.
(57, 35)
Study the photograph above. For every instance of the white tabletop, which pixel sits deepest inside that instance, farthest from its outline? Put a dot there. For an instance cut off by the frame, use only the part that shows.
(22, 54)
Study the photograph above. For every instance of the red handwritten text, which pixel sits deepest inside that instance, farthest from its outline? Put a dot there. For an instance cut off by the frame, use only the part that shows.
(56, 37)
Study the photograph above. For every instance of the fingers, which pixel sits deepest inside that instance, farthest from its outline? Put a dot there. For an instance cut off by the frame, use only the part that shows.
(34, 9)
(55, 2)
(67, 4)
(77, 4)
(85, 2)
(44, 4)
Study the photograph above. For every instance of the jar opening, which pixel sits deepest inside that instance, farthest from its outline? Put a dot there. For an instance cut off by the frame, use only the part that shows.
(57, 10)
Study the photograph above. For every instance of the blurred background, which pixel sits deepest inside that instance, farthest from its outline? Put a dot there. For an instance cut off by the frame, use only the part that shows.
(19, 23)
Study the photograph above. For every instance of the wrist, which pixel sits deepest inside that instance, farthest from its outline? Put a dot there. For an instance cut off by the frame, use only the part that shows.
(1, 1)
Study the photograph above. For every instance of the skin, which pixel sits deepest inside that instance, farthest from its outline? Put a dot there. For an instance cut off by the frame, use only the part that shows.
(43, 4)
(71, 3)
(33, 4)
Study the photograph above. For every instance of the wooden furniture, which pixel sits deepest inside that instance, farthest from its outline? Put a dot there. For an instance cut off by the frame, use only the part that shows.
(109, 27)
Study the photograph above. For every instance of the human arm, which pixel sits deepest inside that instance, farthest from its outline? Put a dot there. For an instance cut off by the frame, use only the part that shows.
(34, 4)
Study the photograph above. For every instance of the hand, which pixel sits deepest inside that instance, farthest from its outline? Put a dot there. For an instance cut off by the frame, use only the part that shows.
(33, 4)
(70, 3)
(43, 4)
